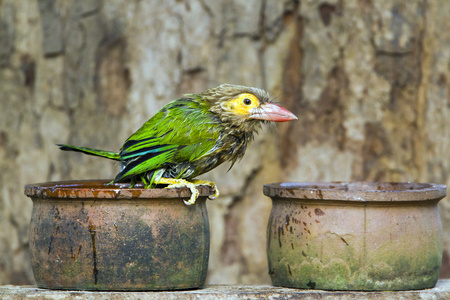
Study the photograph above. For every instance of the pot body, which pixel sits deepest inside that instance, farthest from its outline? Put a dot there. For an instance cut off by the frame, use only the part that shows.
(372, 239)
(93, 236)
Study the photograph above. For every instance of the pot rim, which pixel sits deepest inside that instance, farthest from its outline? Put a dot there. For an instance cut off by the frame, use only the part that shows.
(101, 189)
(357, 191)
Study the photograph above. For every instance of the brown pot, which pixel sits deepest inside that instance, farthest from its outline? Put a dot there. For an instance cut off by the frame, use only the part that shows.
(355, 235)
(89, 235)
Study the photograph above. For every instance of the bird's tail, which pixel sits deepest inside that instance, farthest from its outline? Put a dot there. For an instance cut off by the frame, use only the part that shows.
(90, 151)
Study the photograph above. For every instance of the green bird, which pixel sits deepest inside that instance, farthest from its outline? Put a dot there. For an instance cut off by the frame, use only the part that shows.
(191, 136)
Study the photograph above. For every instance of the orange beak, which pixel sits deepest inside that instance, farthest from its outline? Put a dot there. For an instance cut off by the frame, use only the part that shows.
(272, 112)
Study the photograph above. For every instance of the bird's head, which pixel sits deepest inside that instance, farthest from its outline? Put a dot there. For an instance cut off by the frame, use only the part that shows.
(241, 105)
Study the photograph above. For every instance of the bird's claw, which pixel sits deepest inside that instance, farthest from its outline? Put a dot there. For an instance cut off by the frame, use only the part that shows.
(193, 186)
(211, 184)
(177, 183)
(194, 195)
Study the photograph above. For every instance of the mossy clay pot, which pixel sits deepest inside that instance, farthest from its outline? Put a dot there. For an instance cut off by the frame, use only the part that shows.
(91, 235)
(354, 235)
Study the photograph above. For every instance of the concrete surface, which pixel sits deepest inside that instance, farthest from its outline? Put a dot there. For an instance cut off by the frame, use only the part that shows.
(10, 292)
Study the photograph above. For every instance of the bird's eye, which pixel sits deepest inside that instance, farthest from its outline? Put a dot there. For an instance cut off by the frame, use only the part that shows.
(247, 101)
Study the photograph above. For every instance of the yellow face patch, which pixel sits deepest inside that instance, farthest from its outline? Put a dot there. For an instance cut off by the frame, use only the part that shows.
(242, 104)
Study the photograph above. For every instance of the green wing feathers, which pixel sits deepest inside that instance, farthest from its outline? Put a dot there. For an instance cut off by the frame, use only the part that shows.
(90, 151)
(181, 131)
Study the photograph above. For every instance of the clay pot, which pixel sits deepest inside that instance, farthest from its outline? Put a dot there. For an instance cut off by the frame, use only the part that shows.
(88, 235)
(355, 235)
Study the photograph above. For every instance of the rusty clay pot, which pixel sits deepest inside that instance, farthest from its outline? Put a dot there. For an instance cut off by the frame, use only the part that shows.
(355, 235)
(88, 235)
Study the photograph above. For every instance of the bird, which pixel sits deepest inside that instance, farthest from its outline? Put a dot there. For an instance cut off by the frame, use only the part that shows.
(191, 136)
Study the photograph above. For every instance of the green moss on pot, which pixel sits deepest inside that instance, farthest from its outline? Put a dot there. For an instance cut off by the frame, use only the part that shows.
(355, 236)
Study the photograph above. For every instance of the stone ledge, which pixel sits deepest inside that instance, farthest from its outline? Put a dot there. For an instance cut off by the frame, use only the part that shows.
(11, 292)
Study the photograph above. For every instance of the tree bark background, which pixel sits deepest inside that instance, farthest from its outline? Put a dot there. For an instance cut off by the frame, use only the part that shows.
(369, 81)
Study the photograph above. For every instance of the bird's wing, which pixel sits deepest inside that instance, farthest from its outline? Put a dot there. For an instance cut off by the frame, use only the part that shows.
(181, 131)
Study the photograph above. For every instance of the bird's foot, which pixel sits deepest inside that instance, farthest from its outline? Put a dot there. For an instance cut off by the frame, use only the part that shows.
(193, 186)
(176, 183)
(210, 184)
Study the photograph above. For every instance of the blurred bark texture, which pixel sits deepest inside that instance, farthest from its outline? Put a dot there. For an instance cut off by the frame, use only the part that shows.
(369, 81)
